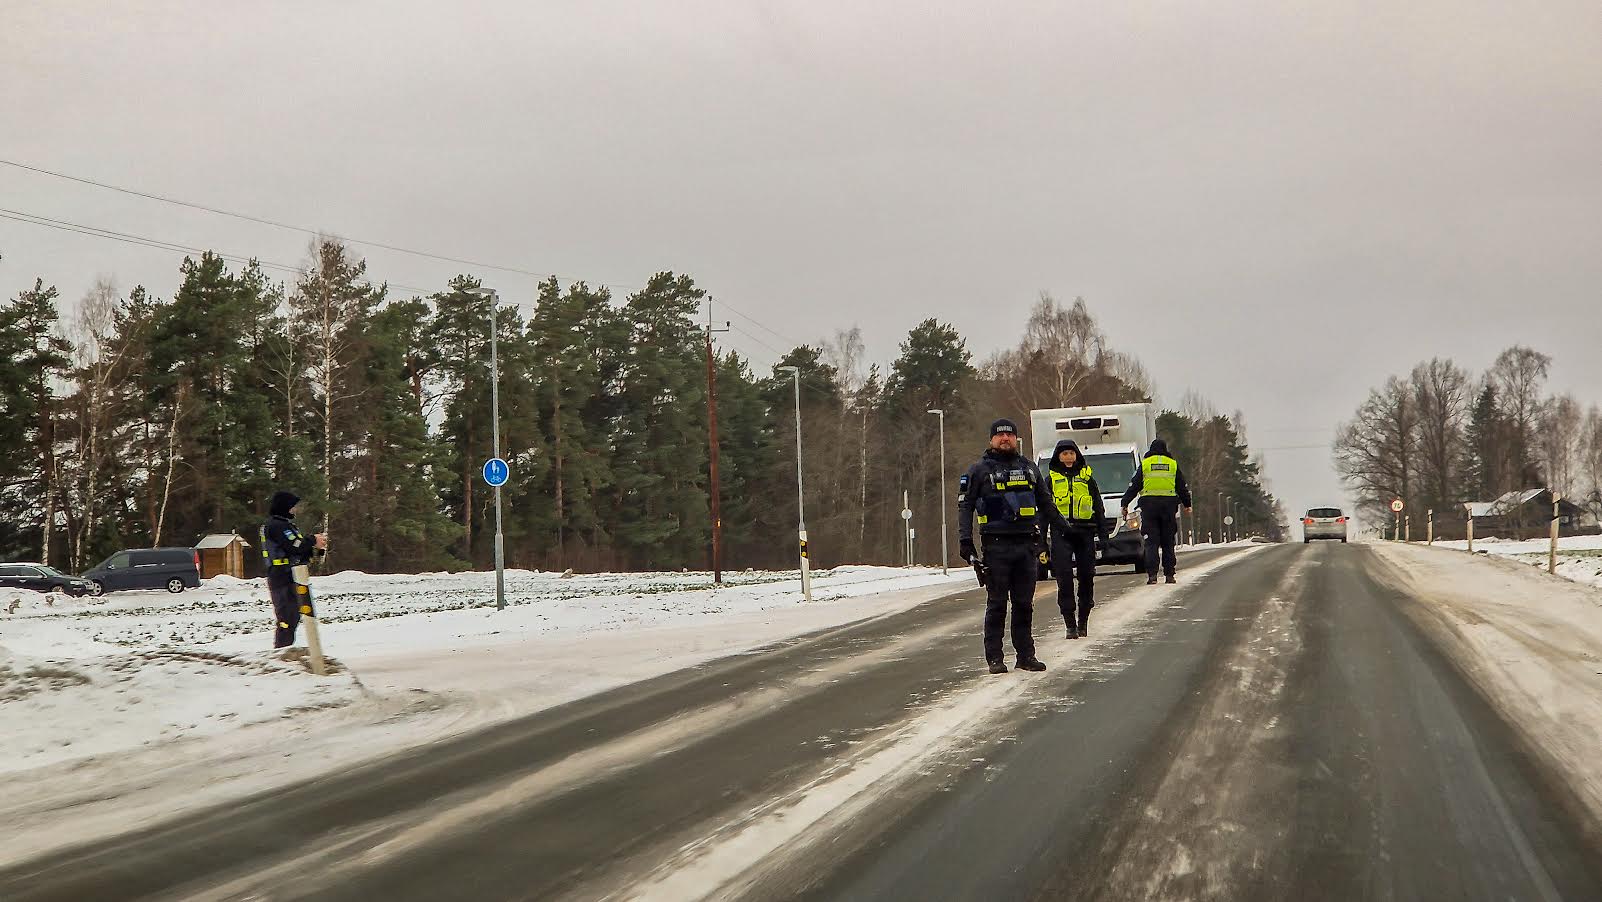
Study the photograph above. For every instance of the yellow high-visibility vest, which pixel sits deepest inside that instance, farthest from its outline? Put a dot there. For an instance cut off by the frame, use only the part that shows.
(1072, 494)
(1159, 477)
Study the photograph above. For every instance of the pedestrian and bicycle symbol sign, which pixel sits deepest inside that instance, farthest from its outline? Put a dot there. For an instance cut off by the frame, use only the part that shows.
(496, 472)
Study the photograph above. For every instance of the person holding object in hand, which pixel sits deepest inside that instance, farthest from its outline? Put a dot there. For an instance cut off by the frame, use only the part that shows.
(283, 548)
(1004, 493)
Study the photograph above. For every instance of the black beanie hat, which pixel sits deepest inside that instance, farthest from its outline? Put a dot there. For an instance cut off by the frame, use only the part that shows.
(283, 503)
(1003, 425)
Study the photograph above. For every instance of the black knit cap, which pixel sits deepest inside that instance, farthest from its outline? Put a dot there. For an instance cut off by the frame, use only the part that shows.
(1003, 425)
(283, 503)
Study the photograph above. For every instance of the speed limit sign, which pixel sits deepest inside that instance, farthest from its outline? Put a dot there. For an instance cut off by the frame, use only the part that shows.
(1397, 505)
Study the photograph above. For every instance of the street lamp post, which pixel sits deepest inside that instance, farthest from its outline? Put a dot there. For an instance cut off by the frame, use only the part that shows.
(800, 490)
(1223, 539)
(495, 420)
(944, 556)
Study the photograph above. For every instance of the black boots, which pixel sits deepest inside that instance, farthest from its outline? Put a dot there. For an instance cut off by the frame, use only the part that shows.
(998, 666)
(1151, 580)
(1030, 664)
(1073, 632)
(1084, 625)
(1169, 579)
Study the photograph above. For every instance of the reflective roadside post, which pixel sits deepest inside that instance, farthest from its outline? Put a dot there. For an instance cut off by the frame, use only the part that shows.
(944, 556)
(1551, 561)
(1430, 514)
(800, 490)
(1469, 510)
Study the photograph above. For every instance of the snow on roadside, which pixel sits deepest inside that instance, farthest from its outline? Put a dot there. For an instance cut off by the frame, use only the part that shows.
(1530, 642)
(93, 677)
(1579, 557)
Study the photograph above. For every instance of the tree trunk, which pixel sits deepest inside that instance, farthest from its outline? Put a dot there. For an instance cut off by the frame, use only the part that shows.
(172, 458)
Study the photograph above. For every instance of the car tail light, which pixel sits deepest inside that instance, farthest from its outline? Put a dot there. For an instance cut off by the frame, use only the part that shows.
(1340, 519)
(1308, 521)
(197, 562)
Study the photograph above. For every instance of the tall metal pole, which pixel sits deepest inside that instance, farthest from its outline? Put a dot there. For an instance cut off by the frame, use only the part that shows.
(800, 490)
(495, 419)
(1224, 539)
(944, 555)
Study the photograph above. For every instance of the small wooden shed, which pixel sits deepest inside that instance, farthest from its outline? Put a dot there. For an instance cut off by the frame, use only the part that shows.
(222, 553)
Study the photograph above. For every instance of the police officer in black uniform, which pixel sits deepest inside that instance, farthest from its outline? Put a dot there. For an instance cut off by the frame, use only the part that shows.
(1004, 492)
(1078, 528)
(1161, 486)
(284, 547)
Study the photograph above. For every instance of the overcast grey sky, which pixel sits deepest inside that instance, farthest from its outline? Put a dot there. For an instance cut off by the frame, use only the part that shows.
(1276, 204)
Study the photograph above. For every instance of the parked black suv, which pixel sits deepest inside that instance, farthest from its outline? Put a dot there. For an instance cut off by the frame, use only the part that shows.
(173, 569)
(40, 578)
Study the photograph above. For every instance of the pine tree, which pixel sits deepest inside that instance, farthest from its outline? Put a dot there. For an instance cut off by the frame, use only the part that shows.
(660, 465)
(214, 412)
(574, 335)
(1487, 453)
(39, 358)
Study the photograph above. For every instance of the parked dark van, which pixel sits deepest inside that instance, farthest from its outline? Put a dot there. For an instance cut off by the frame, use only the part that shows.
(173, 569)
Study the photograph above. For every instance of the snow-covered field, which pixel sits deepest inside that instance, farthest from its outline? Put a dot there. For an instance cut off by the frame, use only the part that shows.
(88, 677)
(1579, 557)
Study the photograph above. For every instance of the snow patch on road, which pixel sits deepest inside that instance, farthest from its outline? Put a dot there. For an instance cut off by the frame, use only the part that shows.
(736, 855)
(1532, 644)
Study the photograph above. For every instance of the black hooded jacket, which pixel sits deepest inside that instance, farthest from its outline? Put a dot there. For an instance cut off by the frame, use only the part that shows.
(281, 540)
(1098, 523)
(1159, 448)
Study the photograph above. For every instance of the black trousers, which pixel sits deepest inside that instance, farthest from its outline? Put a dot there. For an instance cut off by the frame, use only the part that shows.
(286, 611)
(1073, 554)
(1159, 523)
(1012, 571)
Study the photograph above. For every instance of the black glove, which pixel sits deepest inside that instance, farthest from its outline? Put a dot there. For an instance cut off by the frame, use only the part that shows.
(966, 550)
(1040, 546)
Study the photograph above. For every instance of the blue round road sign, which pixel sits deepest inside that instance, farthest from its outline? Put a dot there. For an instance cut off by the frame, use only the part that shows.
(496, 471)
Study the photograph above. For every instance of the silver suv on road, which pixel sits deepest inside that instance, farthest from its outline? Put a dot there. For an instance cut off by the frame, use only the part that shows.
(1324, 523)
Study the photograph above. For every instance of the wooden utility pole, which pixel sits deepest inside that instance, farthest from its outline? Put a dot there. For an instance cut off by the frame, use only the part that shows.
(712, 444)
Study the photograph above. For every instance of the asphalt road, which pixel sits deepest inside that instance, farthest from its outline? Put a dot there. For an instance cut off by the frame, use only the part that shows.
(1277, 728)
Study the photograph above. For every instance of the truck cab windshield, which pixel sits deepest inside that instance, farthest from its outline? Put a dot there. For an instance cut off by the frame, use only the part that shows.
(1113, 471)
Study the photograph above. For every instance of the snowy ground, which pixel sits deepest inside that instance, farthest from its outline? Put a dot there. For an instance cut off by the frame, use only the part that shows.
(1579, 557)
(84, 677)
(1530, 641)
(127, 709)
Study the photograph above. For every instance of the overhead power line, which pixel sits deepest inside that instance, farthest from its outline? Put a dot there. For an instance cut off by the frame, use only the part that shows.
(305, 230)
(261, 220)
(159, 244)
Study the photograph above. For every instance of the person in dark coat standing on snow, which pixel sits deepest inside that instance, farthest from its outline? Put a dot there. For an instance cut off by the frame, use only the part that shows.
(284, 547)
(1078, 528)
(1005, 494)
(1162, 490)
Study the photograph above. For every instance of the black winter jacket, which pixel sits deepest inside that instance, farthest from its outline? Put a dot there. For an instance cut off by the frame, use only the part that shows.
(1020, 488)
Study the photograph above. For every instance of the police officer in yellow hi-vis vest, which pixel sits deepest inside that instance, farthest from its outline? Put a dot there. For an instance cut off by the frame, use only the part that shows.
(1161, 487)
(1077, 529)
(1004, 492)
(284, 547)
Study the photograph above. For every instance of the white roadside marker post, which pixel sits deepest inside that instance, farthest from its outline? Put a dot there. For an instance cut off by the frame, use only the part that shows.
(1471, 532)
(1431, 539)
(1551, 561)
(308, 613)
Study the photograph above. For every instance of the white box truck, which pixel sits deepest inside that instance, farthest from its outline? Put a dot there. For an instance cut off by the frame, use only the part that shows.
(1113, 437)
